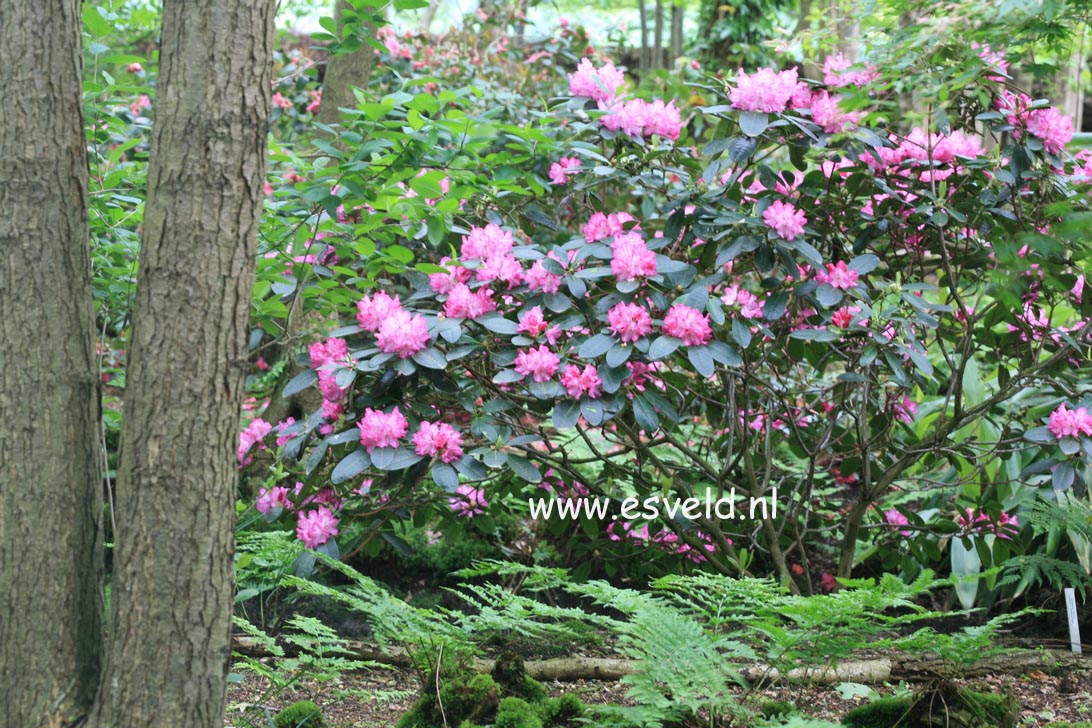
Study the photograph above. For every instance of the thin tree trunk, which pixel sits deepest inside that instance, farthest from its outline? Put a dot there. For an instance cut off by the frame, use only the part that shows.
(646, 51)
(676, 32)
(50, 486)
(343, 72)
(170, 615)
(658, 37)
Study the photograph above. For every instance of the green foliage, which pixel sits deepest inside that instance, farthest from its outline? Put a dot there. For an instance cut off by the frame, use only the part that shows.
(302, 714)
(943, 705)
(516, 713)
(881, 713)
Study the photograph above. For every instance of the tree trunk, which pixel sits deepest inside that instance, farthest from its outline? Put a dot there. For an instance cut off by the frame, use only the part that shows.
(170, 615)
(50, 486)
(343, 72)
(676, 32)
(658, 37)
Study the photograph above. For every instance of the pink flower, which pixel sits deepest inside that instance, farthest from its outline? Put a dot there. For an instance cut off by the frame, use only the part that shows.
(838, 276)
(540, 279)
(444, 282)
(632, 258)
(283, 425)
(827, 582)
(464, 303)
(487, 242)
(843, 317)
(142, 102)
(904, 409)
(826, 112)
(894, 518)
(540, 363)
(469, 501)
(438, 439)
(560, 170)
(836, 73)
(1078, 289)
(766, 90)
(403, 333)
(1054, 128)
(629, 321)
(532, 322)
(281, 102)
(316, 527)
(688, 324)
(373, 310)
(252, 435)
(326, 359)
(1070, 423)
(598, 84)
(639, 118)
(502, 267)
(272, 499)
(600, 226)
(316, 102)
(784, 219)
(579, 383)
(379, 429)
(134, 68)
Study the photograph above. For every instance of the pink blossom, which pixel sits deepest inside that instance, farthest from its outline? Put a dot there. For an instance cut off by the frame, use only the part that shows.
(688, 324)
(1005, 527)
(468, 501)
(600, 226)
(994, 59)
(629, 321)
(579, 383)
(316, 527)
(765, 90)
(895, 518)
(598, 84)
(1077, 290)
(281, 102)
(540, 279)
(540, 363)
(440, 440)
(532, 322)
(373, 310)
(836, 73)
(252, 435)
(326, 358)
(316, 102)
(632, 258)
(1070, 423)
(283, 425)
(464, 303)
(142, 102)
(562, 168)
(444, 282)
(785, 219)
(271, 499)
(134, 68)
(379, 429)
(403, 333)
(843, 317)
(838, 276)
(904, 409)
(639, 118)
(826, 112)
(502, 267)
(1054, 128)
(487, 242)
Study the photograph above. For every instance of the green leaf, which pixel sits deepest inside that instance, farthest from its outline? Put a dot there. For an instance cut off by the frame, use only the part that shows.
(499, 325)
(702, 360)
(430, 358)
(566, 414)
(663, 347)
(753, 123)
(966, 568)
(445, 476)
(645, 414)
(300, 382)
(596, 346)
(828, 295)
(352, 465)
(523, 467)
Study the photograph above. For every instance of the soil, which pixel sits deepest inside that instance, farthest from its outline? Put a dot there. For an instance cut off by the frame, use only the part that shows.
(349, 702)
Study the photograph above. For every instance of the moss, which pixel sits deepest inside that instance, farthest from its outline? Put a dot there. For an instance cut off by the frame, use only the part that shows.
(943, 705)
(461, 698)
(516, 713)
(559, 711)
(882, 713)
(303, 714)
(777, 709)
(1063, 724)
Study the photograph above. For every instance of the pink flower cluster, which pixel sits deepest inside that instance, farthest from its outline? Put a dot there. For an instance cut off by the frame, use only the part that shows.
(1005, 527)
(562, 168)
(688, 324)
(598, 84)
(629, 322)
(252, 435)
(632, 258)
(438, 439)
(316, 527)
(840, 71)
(600, 226)
(785, 220)
(1050, 125)
(380, 429)
(1065, 422)
(766, 90)
(838, 275)
(664, 539)
(539, 363)
(468, 501)
(893, 518)
(582, 382)
(644, 119)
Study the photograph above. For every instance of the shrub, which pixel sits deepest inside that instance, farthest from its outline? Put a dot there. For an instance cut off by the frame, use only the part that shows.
(301, 714)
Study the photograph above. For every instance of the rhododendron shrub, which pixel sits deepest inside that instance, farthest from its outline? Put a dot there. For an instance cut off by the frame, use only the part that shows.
(861, 316)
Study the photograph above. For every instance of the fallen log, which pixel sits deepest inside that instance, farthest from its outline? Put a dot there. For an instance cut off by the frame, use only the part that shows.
(867, 671)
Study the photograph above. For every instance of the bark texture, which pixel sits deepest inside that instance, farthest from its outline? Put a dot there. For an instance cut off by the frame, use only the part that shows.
(345, 71)
(50, 492)
(171, 596)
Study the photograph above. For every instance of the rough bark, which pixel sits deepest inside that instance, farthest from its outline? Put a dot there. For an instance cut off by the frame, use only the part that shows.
(646, 51)
(658, 36)
(343, 72)
(171, 598)
(50, 491)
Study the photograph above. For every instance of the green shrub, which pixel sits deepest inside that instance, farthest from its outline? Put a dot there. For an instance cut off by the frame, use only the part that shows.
(516, 713)
(944, 705)
(302, 714)
(882, 713)
(777, 709)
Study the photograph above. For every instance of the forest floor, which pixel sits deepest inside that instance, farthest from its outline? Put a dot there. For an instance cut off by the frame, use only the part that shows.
(349, 701)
